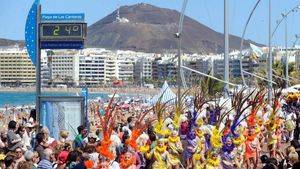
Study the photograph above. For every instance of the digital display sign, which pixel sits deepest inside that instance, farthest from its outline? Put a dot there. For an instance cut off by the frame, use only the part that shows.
(63, 31)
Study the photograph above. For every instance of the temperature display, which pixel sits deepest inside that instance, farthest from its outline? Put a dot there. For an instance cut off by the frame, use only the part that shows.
(60, 30)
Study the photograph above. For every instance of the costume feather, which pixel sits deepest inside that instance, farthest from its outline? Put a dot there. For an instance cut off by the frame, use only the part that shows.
(107, 122)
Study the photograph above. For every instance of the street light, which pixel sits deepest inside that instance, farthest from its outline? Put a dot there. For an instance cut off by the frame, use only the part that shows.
(226, 48)
(284, 17)
(242, 41)
(178, 36)
(270, 74)
(270, 58)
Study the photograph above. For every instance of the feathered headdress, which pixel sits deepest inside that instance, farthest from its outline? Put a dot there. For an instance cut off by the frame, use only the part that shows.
(199, 101)
(179, 108)
(271, 124)
(215, 140)
(239, 104)
(107, 122)
(139, 127)
(159, 109)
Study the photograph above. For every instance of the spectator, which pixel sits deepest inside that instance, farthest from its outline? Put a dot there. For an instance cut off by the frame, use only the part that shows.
(31, 158)
(63, 136)
(40, 147)
(31, 134)
(293, 158)
(73, 159)
(49, 140)
(92, 138)
(24, 165)
(46, 162)
(13, 140)
(9, 162)
(94, 156)
(79, 139)
(2, 157)
(24, 137)
(2, 144)
(19, 156)
(103, 164)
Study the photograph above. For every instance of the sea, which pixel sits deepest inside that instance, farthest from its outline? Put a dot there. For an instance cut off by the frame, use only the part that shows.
(28, 98)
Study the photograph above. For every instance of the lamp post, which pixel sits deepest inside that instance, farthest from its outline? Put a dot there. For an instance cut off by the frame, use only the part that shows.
(178, 35)
(242, 41)
(295, 9)
(286, 54)
(270, 57)
(226, 49)
(284, 17)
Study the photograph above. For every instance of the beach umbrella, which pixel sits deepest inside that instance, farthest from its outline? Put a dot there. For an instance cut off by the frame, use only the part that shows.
(165, 95)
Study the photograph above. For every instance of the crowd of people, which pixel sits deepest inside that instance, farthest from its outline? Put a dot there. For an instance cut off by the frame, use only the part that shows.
(245, 132)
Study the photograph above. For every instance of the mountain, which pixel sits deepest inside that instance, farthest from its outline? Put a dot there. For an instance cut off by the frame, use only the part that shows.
(7, 42)
(144, 27)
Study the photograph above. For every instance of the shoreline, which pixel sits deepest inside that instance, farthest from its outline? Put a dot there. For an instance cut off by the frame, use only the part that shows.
(130, 91)
(123, 90)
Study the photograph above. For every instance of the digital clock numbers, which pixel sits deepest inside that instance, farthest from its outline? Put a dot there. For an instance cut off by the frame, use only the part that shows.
(62, 30)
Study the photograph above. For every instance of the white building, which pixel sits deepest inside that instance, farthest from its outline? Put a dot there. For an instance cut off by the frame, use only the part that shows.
(125, 67)
(16, 67)
(62, 66)
(111, 68)
(89, 68)
(143, 69)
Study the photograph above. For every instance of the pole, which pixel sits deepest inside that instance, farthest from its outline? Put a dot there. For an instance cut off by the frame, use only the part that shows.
(242, 42)
(286, 56)
(226, 48)
(178, 70)
(38, 66)
(178, 35)
(270, 73)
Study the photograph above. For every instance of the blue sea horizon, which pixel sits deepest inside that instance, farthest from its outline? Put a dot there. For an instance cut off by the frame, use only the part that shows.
(28, 98)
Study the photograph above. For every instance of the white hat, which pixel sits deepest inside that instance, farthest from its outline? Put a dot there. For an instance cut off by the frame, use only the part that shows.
(29, 125)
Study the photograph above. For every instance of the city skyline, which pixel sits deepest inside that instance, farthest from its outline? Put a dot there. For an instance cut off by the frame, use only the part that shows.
(200, 11)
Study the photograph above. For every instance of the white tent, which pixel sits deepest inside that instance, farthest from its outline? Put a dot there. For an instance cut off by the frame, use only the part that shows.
(165, 94)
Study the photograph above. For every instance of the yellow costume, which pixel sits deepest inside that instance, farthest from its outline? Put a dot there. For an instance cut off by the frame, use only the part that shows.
(213, 161)
(159, 154)
(198, 157)
(175, 146)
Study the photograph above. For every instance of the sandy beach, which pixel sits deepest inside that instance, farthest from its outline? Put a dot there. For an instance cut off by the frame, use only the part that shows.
(123, 90)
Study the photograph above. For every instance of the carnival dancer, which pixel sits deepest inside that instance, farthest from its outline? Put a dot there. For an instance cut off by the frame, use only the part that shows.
(127, 161)
(213, 160)
(175, 150)
(198, 157)
(271, 125)
(159, 155)
(190, 149)
(214, 144)
(251, 143)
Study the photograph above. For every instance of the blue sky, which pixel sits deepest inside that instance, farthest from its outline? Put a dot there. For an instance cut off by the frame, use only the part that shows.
(13, 14)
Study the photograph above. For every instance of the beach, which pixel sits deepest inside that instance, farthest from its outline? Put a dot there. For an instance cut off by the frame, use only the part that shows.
(119, 90)
(10, 97)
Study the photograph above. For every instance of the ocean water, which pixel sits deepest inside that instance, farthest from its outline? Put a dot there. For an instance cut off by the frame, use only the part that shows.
(28, 98)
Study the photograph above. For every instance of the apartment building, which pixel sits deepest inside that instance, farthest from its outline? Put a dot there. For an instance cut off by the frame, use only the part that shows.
(16, 68)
